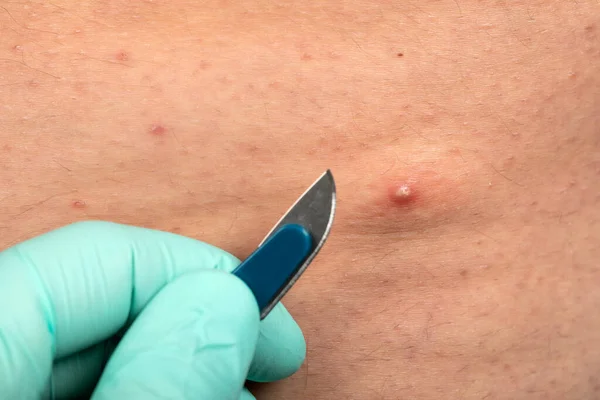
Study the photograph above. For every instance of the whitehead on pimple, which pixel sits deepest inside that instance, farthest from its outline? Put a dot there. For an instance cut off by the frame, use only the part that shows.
(402, 193)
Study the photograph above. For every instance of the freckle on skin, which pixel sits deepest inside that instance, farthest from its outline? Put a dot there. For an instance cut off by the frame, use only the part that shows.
(400, 54)
(306, 57)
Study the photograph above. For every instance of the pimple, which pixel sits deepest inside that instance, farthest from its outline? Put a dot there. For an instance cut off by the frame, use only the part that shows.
(419, 190)
(18, 48)
(402, 193)
(78, 204)
(157, 129)
(122, 56)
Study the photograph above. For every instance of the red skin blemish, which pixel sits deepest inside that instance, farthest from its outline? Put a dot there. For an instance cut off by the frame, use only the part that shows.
(80, 87)
(157, 129)
(122, 56)
(78, 204)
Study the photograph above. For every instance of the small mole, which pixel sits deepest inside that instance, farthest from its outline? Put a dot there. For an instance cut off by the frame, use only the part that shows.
(464, 273)
(157, 129)
(122, 56)
(400, 54)
(78, 204)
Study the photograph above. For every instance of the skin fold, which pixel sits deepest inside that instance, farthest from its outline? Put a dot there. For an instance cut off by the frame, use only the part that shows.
(208, 119)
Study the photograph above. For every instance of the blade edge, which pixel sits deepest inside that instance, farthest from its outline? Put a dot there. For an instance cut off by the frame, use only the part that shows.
(294, 278)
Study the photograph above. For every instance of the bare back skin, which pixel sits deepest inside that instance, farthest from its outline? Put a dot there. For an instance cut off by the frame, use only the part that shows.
(464, 137)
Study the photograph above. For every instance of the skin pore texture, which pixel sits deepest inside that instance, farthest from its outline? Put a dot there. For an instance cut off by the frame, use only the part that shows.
(464, 137)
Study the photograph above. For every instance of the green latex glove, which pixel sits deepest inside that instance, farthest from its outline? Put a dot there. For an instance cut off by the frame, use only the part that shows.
(191, 329)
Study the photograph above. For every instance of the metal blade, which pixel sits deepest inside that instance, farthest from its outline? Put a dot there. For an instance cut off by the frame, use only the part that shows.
(314, 210)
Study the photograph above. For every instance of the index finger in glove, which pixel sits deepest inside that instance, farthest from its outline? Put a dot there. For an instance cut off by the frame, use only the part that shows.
(79, 285)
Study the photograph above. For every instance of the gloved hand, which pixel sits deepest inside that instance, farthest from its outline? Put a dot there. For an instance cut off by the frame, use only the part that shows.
(191, 329)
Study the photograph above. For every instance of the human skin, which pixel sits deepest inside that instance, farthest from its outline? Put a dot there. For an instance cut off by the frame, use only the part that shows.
(208, 119)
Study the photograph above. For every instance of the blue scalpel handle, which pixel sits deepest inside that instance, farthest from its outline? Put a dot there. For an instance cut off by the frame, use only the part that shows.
(273, 264)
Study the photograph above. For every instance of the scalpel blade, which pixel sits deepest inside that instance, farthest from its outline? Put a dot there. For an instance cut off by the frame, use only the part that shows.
(291, 245)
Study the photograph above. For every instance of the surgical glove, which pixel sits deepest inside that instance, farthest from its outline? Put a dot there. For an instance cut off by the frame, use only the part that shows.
(188, 329)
